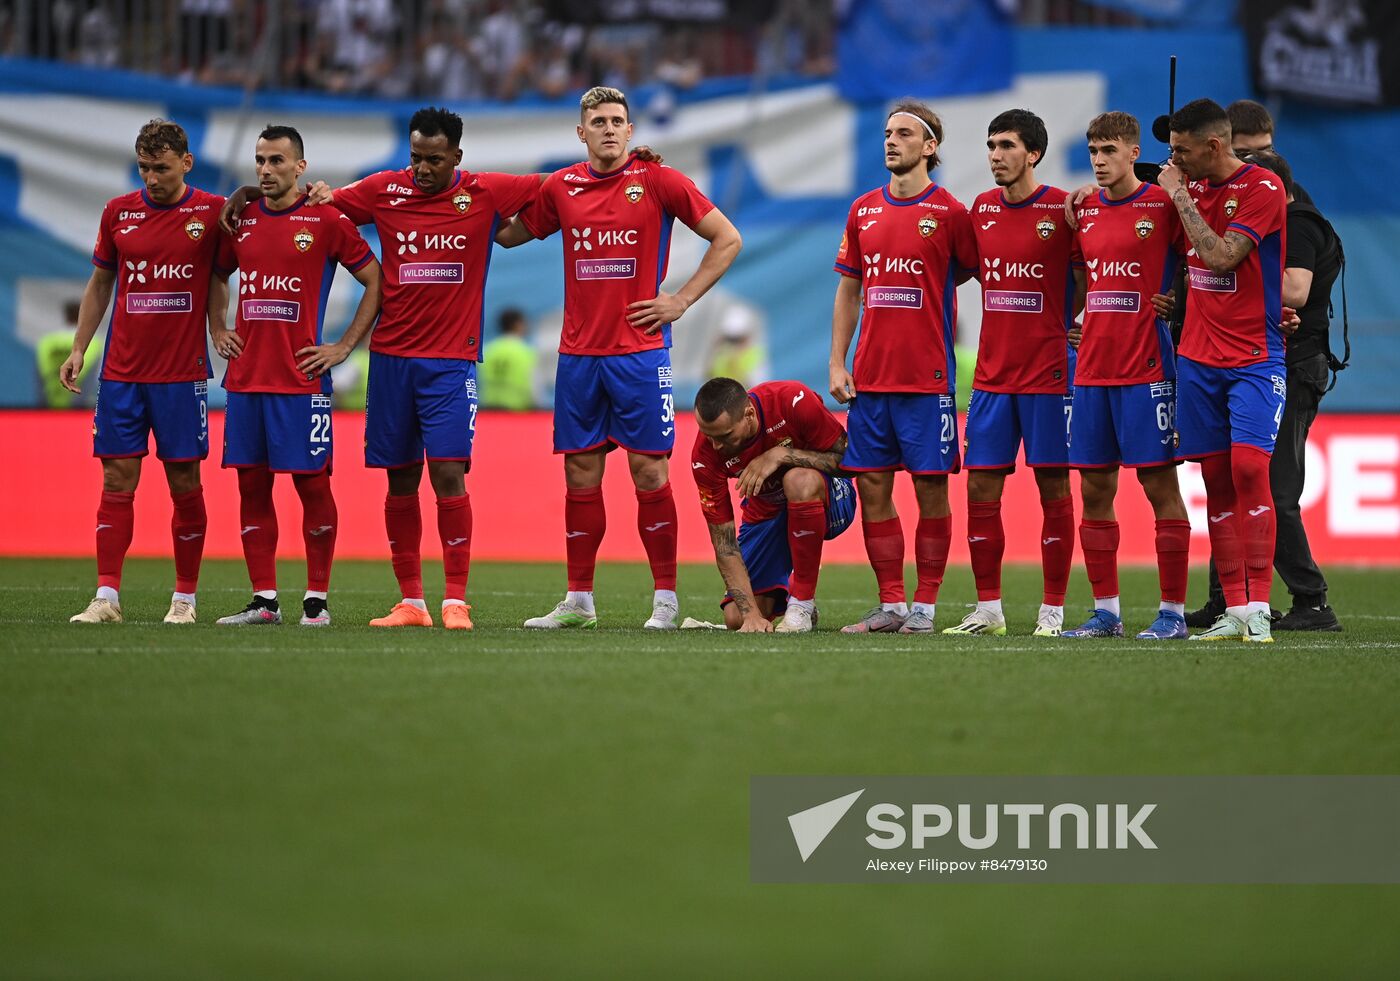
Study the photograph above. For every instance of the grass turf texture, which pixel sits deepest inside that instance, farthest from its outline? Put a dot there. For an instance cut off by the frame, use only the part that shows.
(209, 802)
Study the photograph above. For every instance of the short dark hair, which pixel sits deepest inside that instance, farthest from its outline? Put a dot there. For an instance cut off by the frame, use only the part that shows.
(1029, 127)
(719, 396)
(1249, 118)
(1114, 126)
(436, 121)
(511, 318)
(273, 132)
(1273, 160)
(1201, 117)
(160, 135)
(930, 119)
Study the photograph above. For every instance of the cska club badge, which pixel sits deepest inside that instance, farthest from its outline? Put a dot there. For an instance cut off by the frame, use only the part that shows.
(634, 192)
(1045, 228)
(927, 226)
(1231, 206)
(462, 202)
(302, 240)
(1144, 228)
(194, 228)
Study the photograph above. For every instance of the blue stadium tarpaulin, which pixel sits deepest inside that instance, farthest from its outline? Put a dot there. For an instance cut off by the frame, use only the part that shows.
(886, 49)
(1187, 13)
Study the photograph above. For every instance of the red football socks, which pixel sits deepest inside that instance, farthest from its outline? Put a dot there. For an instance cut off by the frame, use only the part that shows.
(1100, 539)
(986, 541)
(656, 523)
(404, 522)
(806, 529)
(259, 532)
(932, 538)
(1258, 523)
(318, 527)
(188, 524)
(115, 520)
(1222, 511)
(884, 543)
(455, 529)
(1173, 557)
(1056, 547)
(585, 520)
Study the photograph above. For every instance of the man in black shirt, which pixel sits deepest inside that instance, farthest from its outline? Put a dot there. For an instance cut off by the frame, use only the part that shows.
(1311, 266)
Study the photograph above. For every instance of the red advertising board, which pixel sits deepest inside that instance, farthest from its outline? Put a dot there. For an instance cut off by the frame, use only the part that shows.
(48, 497)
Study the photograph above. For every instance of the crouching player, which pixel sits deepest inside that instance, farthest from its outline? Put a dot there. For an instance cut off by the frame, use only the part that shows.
(278, 378)
(784, 448)
(1125, 382)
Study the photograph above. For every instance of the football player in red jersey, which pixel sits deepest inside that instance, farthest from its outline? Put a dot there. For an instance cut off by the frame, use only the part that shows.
(155, 248)
(613, 384)
(783, 447)
(906, 247)
(435, 223)
(1032, 286)
(1125, 378)
(278, 381)
(1230, 370)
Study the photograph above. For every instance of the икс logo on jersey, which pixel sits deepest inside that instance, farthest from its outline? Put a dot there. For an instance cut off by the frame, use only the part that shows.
(254, 307)
(426, 273)
(899, 297)
(140, 272)
(620, 267)
(1112, 301)
(1011, 301)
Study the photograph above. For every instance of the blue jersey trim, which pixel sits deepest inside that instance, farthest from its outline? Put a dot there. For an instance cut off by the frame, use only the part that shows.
(189, 193)
(1105, 200)
(1035, 196)
(906, 202)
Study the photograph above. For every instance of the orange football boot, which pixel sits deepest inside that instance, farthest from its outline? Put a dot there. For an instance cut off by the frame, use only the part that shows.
(404, 615)
(457, 616)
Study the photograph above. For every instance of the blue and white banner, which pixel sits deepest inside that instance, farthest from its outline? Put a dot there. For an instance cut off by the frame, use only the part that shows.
(886, 49)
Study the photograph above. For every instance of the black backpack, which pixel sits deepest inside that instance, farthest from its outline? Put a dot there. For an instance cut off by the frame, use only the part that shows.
(1298, 207)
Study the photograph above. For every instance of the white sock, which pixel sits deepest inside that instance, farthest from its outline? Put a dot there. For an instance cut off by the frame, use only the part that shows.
(582, 600)
(1045, 608)
(1178, 608)
(666, 596)
(900, 608)
(312, 594)
(924, 608)
(808, 605)
(1239, 612)
(267, 594)
(417, 603)
(1109, 603)
(109, 594)
(453, 602)
(187, 597)
(1258, 608)
(991, 606)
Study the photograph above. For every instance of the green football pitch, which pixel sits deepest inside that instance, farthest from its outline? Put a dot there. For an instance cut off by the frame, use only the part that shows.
(205, 802)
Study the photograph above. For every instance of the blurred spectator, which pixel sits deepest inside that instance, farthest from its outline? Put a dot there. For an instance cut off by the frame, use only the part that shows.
(204, 34)
(507, 370)
(355, 34)
(738, 351)
(99, 40)
(50, 353)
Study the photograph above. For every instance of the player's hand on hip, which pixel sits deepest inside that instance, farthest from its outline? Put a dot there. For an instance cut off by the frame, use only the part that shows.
(316, 361)
(228, 343)
(319, 193)
(843, 386)
(1076, 335)
(756, 474)
(756, 623)
(1073, 201)
(1164, 303)
(1290, 322)
(70, 369)
(657, 313)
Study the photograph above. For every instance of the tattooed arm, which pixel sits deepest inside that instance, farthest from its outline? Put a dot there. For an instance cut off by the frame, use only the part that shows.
(736, 578)
(761, 467)
(1219, 253)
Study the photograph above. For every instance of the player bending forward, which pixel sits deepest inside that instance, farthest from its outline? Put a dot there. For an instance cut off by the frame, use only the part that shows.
(783, 447)
(278, 378)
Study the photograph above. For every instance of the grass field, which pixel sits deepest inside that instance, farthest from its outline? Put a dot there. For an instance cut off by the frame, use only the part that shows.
(277, 802)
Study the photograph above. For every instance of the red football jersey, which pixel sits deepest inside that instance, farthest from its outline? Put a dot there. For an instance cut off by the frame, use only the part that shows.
(435, 249)
(1027, 252)
(907, 253)
(286, 261)
(1131, 248)
(1232, 318)
(616, 247)
(789, 414)
(163, 256)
